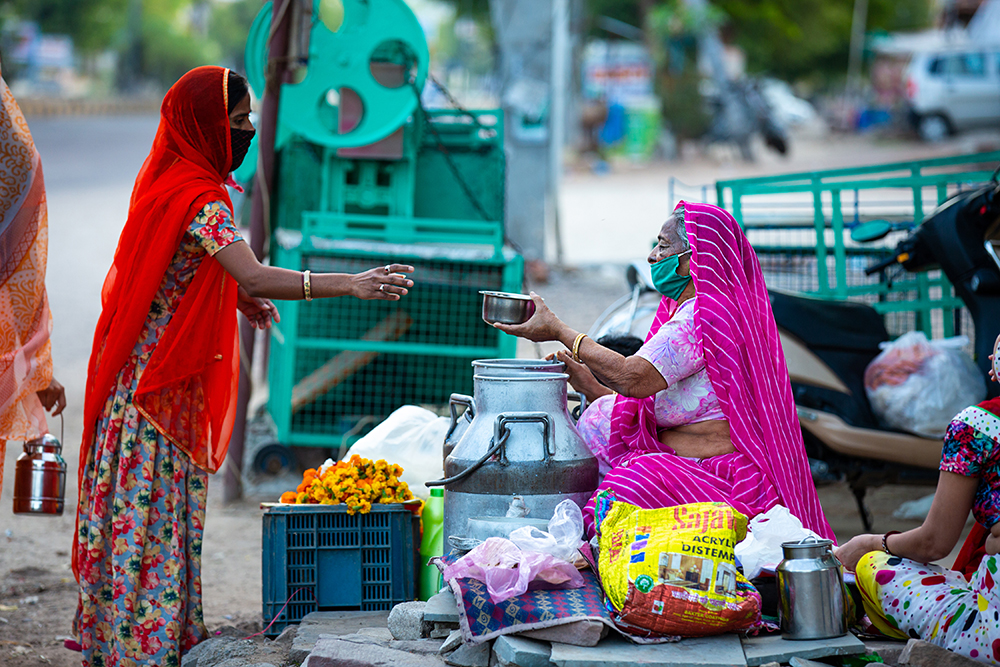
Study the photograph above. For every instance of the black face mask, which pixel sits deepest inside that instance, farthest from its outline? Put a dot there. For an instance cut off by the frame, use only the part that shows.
(239, 142)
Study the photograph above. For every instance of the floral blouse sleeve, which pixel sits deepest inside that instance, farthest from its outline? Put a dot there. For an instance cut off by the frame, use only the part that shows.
(213, 227)
(675, 349)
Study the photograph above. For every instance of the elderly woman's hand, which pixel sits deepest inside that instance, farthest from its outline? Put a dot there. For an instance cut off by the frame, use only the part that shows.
(542, 327)
(580, 376)
(850, 553)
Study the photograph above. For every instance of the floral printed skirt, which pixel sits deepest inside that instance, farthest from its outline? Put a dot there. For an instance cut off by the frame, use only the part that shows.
(141, 518)
(904, 599)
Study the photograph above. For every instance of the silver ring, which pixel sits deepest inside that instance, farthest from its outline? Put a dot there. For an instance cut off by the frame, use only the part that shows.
(381, 288)
(387, 269)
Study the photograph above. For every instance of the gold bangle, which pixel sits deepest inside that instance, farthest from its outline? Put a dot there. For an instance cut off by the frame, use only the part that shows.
(307, 289)
(576, 348)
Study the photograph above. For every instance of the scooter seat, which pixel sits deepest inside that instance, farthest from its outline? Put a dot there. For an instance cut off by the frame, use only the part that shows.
(829, 324)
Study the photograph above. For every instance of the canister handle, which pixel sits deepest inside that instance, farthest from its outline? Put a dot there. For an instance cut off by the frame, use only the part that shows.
(453, 403)
(578, 411)
(495, 446)
(501, 431)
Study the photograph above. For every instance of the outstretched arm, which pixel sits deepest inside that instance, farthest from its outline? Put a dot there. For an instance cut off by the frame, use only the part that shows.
(272, 282)
(629, 376)
(935, 538)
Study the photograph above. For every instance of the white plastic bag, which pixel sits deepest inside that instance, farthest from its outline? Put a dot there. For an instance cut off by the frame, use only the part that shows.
(761, 549)
(412, 437)
(508, 571)
(563, 539)
(918, 385)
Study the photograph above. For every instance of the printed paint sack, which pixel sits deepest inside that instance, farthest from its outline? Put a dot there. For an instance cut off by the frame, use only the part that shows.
(671, 571)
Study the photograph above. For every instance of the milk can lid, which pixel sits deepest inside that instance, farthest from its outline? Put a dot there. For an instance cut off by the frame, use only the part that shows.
(809, 547)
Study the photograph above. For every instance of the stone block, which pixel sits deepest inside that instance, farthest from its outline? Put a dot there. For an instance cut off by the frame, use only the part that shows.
(406, 619)
(919, 653)
(440, 630)
(796, 661)
(717, 651)
(215, 650)
(772, 648)
(335, 652)
(287, 636)
(453, 641)
(470, 655)
(442, 608)
(381, 634)
(513, 651)
(577, 633)
(420, 646)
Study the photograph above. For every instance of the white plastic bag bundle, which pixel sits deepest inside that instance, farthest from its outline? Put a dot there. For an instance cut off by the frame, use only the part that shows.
(761, 549)
(563, 539)
(412, 437)
(918, 385)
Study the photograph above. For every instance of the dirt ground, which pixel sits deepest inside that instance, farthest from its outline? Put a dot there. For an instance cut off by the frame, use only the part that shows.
(37, 592)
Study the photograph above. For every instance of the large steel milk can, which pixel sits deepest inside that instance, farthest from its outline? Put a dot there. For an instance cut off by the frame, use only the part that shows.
(40, 478)
(811, 591)
(460, 422)
(522, 442)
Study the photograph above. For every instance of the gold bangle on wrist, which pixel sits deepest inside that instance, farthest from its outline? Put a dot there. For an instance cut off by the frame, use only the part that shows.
(307, 289)
(576, 348)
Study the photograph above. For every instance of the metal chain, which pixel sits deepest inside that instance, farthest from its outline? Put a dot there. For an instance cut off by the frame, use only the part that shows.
(447, 154)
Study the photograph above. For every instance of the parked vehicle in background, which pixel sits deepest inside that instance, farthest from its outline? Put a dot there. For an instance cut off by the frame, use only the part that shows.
(953, 90)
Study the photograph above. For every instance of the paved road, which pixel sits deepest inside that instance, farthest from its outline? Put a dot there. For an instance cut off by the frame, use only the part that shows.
(89, 164)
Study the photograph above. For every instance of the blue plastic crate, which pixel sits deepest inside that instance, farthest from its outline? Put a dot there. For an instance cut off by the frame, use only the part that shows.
(320, 558)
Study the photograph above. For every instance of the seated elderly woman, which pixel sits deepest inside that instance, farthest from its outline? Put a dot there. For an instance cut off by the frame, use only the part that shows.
(906, 597)
(704, 411)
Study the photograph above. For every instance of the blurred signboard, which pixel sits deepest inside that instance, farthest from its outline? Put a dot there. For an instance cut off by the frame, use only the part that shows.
(617, 71)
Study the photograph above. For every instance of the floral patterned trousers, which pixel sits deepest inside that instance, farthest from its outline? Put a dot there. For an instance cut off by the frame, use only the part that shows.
(141, 518)
(904, 599)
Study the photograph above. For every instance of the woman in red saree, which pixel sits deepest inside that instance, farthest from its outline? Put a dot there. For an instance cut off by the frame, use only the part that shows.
(26, 385)
(162, 380)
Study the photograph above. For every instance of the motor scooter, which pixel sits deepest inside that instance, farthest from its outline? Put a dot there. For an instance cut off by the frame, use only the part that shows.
(828, 344)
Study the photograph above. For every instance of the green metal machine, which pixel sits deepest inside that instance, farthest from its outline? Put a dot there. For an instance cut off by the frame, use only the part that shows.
(366, 176)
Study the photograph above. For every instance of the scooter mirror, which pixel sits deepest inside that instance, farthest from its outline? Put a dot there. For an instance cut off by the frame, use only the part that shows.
(870, 231)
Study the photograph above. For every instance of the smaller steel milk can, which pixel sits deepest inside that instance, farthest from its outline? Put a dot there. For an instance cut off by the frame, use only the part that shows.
(811, 591)
(40, 478)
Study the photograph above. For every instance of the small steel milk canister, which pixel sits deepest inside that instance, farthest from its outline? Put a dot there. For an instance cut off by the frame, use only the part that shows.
(40, 478)
(811, 591)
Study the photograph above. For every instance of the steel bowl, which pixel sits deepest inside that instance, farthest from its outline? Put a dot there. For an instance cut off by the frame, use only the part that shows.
(507, 308)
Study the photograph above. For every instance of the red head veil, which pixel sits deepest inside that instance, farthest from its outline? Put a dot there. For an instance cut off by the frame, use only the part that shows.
(188, 389)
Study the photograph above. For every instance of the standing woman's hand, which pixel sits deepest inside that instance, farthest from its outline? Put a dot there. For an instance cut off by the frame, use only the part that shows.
(543, 326)
(386, 282)
(260, 312)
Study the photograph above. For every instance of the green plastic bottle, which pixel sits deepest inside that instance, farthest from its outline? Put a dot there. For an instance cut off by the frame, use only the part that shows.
(432, 543)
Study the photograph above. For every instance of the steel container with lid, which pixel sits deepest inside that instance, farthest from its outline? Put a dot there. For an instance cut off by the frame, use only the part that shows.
(499, 367)
(40, 478)
(811, 591)
(521, 441)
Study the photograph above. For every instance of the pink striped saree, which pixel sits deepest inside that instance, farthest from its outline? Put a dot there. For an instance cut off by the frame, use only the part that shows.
(747, 368)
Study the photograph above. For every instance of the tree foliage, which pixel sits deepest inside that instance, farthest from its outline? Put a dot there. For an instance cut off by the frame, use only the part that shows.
(791, 39)
(94, 25)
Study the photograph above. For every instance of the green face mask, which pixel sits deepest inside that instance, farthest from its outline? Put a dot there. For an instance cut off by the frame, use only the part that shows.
(665, 278)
